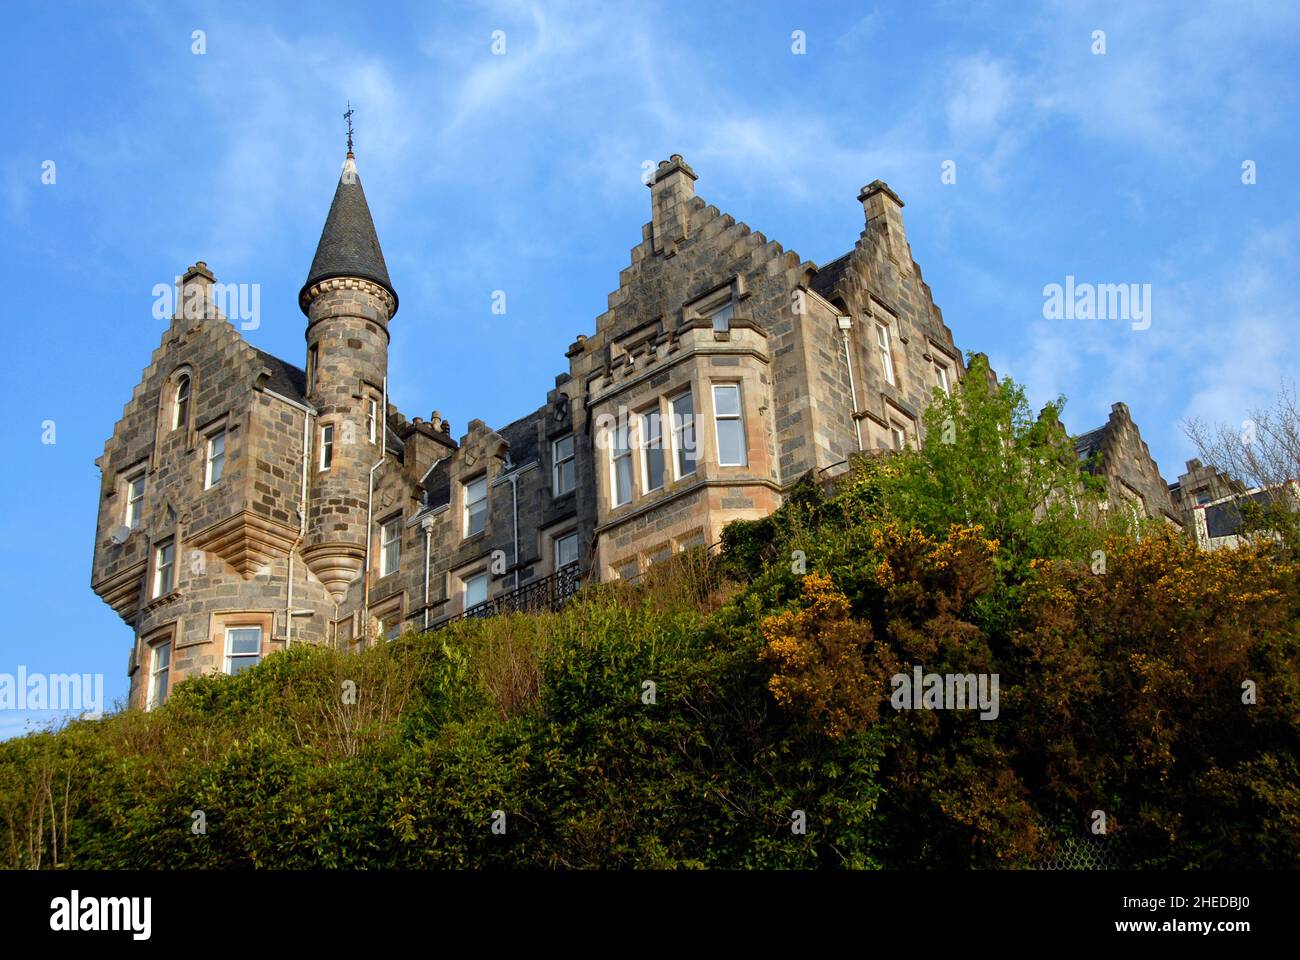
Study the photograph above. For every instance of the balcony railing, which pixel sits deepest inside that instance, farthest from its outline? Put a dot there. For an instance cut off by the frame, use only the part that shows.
(546, 594)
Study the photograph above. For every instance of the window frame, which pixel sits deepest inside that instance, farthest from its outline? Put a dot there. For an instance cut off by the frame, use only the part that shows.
(313, 362)
(134, 505)
(325, 460)
(557, 462)
(945, 384)
(151, 693)
(395, 525)
(677, 428)
(210, 442)
(466, 486)
(898, 435)
(726, 312)
(619, 455)
(555, 549)
(372, 419)
(228, 655)
(885, 350)
(644, 448)
(468, 578)
(159, 553)
(181, 402)
(738, 417)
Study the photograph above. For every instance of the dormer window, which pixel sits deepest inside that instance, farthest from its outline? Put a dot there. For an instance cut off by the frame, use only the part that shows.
(181, 402)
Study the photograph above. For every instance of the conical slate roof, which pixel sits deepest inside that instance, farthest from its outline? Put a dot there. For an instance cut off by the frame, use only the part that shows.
(349, 246)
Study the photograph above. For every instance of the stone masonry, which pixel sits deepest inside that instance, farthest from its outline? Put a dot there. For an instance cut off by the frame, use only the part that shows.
(248, 503)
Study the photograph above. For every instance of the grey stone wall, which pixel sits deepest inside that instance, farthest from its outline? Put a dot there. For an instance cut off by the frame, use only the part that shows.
(812, 394)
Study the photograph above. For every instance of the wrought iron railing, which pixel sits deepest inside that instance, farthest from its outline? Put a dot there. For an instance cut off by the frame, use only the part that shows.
(536, 596)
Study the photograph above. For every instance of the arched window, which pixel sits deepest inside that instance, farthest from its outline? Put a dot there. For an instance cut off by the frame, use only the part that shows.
(181, 404)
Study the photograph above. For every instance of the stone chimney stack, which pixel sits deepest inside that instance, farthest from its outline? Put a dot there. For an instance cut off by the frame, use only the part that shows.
(194, 298)
(671, 191)
(884, 212)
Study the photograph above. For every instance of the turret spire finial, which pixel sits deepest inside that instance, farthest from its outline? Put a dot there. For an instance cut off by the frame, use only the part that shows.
(348, 117)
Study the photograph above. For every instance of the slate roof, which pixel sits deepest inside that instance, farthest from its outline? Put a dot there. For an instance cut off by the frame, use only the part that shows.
(437, 484)
(349, 246)
(825, 279)
(395, 443)
(1087, 444)
(521, 436)
(1224, 519)
(286, 379)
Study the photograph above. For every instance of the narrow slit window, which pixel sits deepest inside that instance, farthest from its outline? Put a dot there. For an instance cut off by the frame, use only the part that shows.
(327, 446)
(181, 404)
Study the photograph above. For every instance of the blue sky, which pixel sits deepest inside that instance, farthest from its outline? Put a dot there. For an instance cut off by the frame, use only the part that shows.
(521, 172)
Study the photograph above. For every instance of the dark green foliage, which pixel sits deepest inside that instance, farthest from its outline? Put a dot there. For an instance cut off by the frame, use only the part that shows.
(1119, 691)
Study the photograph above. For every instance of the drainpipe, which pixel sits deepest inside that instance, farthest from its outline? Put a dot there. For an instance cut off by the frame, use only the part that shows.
(846, 324)
(427, 524)
(370, 496)
(514, 496)
(302, 527)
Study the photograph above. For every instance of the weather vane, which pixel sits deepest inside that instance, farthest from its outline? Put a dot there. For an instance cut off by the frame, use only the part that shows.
(348, 117)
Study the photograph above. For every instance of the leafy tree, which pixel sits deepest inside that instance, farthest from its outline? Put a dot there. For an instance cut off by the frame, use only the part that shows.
(987, 461)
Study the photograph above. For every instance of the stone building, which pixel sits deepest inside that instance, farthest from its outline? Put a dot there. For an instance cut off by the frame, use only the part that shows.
(248, 504)
(1200, 485)
(1117, 452)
